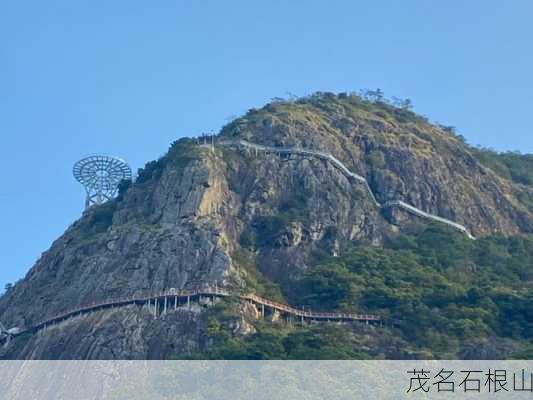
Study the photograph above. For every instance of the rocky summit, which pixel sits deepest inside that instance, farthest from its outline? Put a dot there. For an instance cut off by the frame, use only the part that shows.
(334, 203)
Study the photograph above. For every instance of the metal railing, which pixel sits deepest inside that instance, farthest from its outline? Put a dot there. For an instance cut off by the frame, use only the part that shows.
(349, 174)
(184, 294)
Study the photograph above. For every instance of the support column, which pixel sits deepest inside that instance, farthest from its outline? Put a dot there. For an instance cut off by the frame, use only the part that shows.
(262, 311)
(175, 302)
(155, 307)
(189, 302)
(165, 306)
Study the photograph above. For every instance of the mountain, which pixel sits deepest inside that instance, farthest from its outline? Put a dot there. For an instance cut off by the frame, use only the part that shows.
(336, 203)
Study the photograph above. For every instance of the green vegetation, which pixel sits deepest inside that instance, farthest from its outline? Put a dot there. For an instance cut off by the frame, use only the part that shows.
(316, 109)
(444, 296)
(320, 342)
(99, 219)
(152, 170)
(445, 289)
(264, 230)
(371, 108)
(123, 187)
(448, 293)
(256, 282)
(279, 341)
(376, 159)
(371, 101)
(509, 165)
(179, 155)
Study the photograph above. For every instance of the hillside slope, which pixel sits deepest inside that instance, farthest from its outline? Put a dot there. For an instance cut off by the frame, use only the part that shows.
(262, 222)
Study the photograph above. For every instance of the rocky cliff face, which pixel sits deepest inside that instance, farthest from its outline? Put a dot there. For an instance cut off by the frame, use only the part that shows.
(401, 155)
(243, 219)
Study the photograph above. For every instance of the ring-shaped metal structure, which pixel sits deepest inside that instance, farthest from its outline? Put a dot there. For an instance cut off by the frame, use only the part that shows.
(101, 175)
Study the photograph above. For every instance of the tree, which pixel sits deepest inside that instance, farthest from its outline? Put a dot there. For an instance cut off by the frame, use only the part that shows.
(374, 95)
(407, 104)
(123, 186)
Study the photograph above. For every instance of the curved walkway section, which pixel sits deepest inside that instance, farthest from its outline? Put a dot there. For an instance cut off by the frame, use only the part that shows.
(161, 302)
(350, 175)
(172, 299)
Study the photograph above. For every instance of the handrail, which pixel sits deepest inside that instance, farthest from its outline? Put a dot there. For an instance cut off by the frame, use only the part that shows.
(339, 165)
(251, 297)
(219, 292)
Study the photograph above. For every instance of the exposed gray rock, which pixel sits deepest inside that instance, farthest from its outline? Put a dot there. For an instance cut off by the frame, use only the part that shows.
(192, 217)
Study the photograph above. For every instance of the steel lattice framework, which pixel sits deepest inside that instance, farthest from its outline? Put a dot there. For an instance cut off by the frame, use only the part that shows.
(101, 176)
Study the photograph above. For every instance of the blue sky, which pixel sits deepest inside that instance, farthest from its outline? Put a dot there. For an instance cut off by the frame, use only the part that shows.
(129, 77)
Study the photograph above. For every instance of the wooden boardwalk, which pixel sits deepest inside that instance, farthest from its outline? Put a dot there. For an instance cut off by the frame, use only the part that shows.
(164, 302)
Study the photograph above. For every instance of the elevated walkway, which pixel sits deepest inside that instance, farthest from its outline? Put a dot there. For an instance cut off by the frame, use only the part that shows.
(163, 302)
(350, 175)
